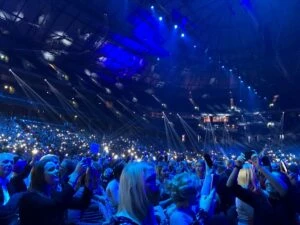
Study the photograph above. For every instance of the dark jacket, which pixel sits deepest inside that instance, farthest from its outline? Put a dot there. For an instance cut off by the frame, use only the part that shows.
(36, 209)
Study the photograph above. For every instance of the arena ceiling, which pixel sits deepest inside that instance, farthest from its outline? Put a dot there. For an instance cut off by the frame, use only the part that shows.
(118, 57)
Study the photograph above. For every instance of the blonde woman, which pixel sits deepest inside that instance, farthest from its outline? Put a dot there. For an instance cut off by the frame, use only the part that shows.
(246, 179)
(275, 205)
(138, 194)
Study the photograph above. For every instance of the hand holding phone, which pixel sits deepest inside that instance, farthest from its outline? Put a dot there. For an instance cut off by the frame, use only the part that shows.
(208, 160)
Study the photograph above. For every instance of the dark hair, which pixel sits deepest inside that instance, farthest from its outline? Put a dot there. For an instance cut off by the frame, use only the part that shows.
(118, 168)
(38, 182)
(65, 171)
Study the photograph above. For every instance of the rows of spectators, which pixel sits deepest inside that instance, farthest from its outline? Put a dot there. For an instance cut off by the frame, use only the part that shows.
(52, 175)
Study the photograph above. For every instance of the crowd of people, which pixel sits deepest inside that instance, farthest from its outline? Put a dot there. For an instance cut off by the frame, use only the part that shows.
(58, 175)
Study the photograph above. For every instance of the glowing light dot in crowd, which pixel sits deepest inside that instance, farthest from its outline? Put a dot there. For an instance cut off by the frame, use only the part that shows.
(34, 151)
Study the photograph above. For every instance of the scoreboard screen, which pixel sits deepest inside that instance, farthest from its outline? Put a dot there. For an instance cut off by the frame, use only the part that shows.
(216, 119)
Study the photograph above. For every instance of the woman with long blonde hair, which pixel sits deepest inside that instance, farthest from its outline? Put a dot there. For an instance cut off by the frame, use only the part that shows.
(138, 194)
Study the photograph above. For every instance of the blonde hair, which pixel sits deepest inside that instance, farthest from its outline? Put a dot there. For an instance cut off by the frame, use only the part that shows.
(132, 193)
(247, 177)
(184, 187)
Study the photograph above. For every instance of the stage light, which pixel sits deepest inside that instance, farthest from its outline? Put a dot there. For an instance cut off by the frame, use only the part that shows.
(152, 7)
(175, 26)
(195, 46)
(4, 57)
(160, 18)
(157, 58)
(134, 99)
(249, 87)
(48, 56)
(223, 67)
(11, 90)
(182, 35)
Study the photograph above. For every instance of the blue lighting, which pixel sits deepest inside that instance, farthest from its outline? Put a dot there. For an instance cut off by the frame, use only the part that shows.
(148, 34)
(195, 46)
(158, 59)
(175, 26)
(249, 87)
(230, 70)
(152, 6)
(223, 67)
(160, 18)
(117, 59)
(182, 35)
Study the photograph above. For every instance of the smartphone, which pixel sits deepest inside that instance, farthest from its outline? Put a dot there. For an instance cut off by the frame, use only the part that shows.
(283, 166)
(208, 160)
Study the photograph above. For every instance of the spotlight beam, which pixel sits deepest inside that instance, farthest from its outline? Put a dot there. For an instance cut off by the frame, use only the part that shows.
(23, 84)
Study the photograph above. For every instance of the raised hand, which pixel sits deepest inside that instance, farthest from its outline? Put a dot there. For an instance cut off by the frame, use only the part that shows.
(240, 160)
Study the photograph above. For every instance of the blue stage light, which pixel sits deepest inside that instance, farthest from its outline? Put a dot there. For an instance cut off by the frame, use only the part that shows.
(160, 18)
(182, 35)
(175, 26)
(152, 6)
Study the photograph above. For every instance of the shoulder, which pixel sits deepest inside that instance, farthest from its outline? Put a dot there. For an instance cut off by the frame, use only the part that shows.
(30, 195)
(33, 199)
(112, 184)
(179, 217)
(121, 220)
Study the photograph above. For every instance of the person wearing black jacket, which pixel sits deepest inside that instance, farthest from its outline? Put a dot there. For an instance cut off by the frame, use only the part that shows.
(43, 205)
(21, 171)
